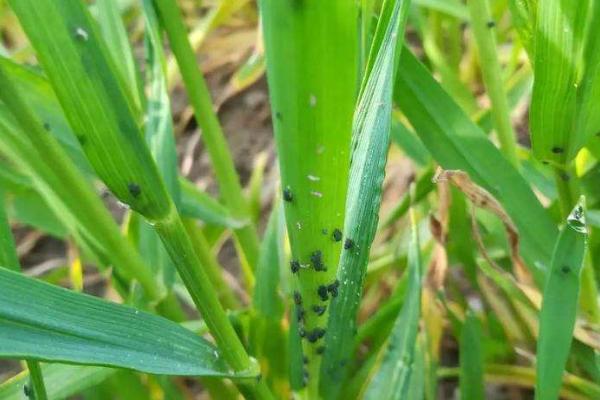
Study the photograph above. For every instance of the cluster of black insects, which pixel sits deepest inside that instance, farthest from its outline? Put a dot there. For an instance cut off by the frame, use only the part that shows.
(323, 291)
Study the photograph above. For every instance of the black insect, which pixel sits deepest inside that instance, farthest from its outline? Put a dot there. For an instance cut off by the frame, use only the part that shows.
(295, 265)
(557, 150)
(287, 195)
(333, 288)
(27, 391)
(297, 298)
(491, 24)
(134, 189)
(565, 269)
(319, 310)
(322, 292)
(315, 335)
(317, 261)
(337, 235)
(300, 313)
(320, 350)
(348, 244)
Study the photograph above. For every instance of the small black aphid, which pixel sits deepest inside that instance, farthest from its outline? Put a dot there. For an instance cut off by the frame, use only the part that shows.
(82, 139)
(315, 257)
(27, 391)
(578, 214)
(297, 298)
(295, 265)
(287, 195)
(134, 189)
(300, 313)
(337, 235)
(322, 292)
(315, 335)
(46, 126)
(557, 150)
(317, 260)
(319, 310)
(348, 244)
(491, 24)
(565, 269)
(333, 288)
(545, 162)
(320, 350)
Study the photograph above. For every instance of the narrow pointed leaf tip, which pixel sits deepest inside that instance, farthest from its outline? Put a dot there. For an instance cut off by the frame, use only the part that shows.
(370, 141)
(73, 328)
(559, 305)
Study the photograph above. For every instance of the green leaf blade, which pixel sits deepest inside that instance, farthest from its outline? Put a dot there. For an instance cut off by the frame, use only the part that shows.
(68, 327)
(559, 305)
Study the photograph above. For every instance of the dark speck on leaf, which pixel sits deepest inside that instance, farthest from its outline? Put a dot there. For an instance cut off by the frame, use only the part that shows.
(297, 298)
(319, 310)
(348, 244)
(315, 335)
(565, 269)
(557, 150)
(287, 194)
(295, 266)
(46, 126)
(322, 292)
(324, 231)
(320, 350)
(134, 189)
(337, 235)
(317, 260)
(305, 360)
(300, 313)
(278, 116)
(333, 288)
(491, 24)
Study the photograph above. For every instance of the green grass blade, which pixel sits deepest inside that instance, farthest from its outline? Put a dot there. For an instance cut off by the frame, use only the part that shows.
(559, 305)
(559, 34)
(269, 339)
(212, 134)
(69, 327)
(40, 97)
(112, 28)
(8, 253)
(94, 101)
(370, 141)
(487, 48)
(456, 142)
(393, 379)
(62, 381)
(36, 381)
(471, 359)
(312, 102)
(200, 205)
(64, 189)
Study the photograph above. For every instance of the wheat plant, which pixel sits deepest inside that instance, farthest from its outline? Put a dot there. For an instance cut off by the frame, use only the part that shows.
(476, 278)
